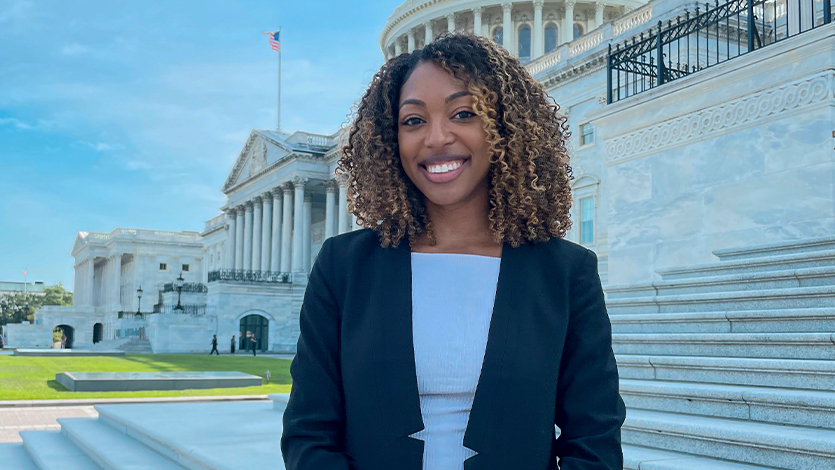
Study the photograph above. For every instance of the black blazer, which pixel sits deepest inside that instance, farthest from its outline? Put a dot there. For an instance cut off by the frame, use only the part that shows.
(354, 399)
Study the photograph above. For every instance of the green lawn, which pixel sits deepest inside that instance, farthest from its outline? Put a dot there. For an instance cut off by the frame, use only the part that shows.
(33, 378)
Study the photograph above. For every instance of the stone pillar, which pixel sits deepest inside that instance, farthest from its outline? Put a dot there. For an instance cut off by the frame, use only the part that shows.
(116, 281)
(287, 228)
(229, 251)
(266, 230)
(257, 217)
(306, 222)
(538, 43)
(248, 236)
(450, 22)
(477, 21)
(91, 282)
(398, 48)
(568, 21)
(298, 220)
(427, 33)
(507, 28)
(343, 206)
(598, 14)
(330, 203)
(239, 238)
(275, 250)
(411, 40)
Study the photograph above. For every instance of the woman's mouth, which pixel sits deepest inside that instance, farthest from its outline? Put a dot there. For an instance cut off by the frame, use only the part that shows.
(444, 172)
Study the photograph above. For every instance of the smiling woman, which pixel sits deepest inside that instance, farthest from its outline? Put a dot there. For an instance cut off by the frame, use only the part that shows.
(471, 343)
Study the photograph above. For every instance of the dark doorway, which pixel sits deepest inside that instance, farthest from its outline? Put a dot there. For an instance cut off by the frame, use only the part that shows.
(257, 325)
(63, 334)
(98, 330)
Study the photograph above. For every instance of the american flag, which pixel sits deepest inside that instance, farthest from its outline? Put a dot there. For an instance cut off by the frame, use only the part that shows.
(275, 40)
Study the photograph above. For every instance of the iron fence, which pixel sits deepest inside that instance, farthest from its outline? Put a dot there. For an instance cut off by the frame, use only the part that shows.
(187, 287)
(243, 275)
(708, 37)
(191, 309)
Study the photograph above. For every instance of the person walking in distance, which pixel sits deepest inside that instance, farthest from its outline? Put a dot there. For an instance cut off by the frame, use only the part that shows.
(214, 346)
(254, 342)
(232, 348)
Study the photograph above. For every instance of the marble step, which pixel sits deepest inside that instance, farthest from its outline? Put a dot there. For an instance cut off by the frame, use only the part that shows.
(14, 456)
(745, 321)
(764, 404)
(770, 299)
(645, 458)
(111, 449)
(781, 373)
(770, 263)
(747, 345)
(806, 277)
(808, 245)
(53, 450)
(784, 447)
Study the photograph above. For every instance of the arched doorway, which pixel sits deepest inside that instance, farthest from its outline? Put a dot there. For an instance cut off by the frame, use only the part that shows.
(98, 330)
(257, 325)
(64, 335)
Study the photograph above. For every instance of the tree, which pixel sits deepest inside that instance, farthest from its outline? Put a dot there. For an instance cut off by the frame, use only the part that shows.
(57, 295)
(16, 307)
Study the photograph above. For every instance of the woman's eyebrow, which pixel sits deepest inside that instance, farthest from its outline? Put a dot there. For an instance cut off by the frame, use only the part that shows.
(412, 101)
(456, 95)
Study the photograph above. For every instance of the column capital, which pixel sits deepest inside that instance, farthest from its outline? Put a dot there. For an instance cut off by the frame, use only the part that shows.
(506, 6)
(599, 6)
(248, 206)
(277, 192)
(450, 16)
(411, 33)
(287, 188)
(299, 182)
(256, 201)
(428, 25)
(331, 186)
(231, 211)
(538, 4)
(570, 4)
(477, 10)
(240, 208)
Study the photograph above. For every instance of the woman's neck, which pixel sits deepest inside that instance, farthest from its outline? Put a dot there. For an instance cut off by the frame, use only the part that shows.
(461, 229)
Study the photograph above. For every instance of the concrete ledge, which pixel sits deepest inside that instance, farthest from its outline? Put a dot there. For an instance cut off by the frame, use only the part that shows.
(643, 458)
(279, 401)
(749, 345)
(66, 352)
(770, 263)
(122, 401)
(137, 381)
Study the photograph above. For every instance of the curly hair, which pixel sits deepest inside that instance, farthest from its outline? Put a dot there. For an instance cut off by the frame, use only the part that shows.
(529, 174)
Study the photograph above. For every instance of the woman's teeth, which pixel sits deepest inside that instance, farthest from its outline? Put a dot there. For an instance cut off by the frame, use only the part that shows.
(445, 167)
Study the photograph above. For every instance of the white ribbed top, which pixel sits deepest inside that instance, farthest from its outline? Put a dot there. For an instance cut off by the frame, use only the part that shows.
(452, 303)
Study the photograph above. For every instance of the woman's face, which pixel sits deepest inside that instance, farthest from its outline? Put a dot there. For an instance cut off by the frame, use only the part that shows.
(443, 147)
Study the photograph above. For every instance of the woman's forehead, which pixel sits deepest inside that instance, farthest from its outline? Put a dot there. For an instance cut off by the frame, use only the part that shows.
(429, 80)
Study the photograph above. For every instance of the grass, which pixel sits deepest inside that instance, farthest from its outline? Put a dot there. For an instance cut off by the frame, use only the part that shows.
(33, 378)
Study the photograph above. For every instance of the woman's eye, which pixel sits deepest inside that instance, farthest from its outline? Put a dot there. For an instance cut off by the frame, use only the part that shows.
(464, 114)
(412, 121)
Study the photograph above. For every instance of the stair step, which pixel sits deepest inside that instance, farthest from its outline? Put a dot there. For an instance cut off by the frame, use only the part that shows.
(809, 245)
(746, 321)
(112, 449)
(784, 279)
(644, 458)
(770, 263)
(786, 447)
(788, 298)
(748, 345)
(14, 456)
(764, 404)
(53, 450)
(782, 373)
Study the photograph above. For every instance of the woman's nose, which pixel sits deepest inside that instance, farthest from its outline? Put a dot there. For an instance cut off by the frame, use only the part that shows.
(439, 134)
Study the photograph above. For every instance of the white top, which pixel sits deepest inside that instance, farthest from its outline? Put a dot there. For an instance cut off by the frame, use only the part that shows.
(452, 304)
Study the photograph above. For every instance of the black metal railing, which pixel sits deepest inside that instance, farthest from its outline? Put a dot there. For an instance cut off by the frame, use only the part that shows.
(187, 287)
(706, 38)
(191, 309)
(242, 275)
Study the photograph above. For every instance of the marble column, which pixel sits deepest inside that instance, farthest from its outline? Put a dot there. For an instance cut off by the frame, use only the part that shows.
(287, 228)
(248, 236)
(116, 281)
(538, 43)
(411, 40)
(450, 22)
(568, 22)
(427, 33)
(398, 47)
(275, 250)
(598, 14)
(266, 230)
(90, 284)
(298, 220)
(343, 206)
(507, 28)
(257, 217)
(229, 250)
(239, 238)
(477, 21)
(330, 203)
(306, 222)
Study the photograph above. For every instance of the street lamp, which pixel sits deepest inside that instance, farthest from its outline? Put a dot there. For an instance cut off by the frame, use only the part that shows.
(179, 284)
(139, 299)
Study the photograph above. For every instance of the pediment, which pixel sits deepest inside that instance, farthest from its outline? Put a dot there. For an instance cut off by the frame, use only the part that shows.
(260, 151)
(80, 242)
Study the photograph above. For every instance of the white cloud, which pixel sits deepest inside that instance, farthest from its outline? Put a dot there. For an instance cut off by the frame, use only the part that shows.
(16, 123)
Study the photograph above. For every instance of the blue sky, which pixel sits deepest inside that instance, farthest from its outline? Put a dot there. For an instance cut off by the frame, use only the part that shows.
(131, 113)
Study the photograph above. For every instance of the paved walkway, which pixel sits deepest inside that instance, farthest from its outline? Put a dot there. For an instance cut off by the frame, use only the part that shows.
(14, 420)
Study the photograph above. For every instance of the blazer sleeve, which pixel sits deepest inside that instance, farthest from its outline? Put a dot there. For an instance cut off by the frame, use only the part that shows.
(314, 419)
(590, 410)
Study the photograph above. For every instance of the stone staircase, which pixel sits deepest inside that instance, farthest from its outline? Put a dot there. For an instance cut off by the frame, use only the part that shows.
(731, 365)
(136, 346)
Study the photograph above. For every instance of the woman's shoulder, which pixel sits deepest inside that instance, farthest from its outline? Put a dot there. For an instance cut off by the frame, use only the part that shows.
(567, 250)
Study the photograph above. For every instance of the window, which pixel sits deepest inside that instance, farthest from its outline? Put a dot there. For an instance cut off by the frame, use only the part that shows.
(525, 43)
(586, 134)
(550, 38)
(185, 268)
(163, 266)
(498, 35)
(586, 220)
(578, 30)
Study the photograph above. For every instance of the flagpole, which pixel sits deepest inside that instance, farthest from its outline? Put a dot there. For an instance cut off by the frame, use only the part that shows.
(279, 81)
